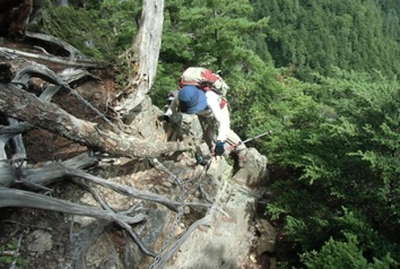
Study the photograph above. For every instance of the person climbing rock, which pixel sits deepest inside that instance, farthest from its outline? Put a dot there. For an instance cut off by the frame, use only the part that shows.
(202, 93)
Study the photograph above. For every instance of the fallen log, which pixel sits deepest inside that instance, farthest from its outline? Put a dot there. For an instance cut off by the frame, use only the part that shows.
(19, 104)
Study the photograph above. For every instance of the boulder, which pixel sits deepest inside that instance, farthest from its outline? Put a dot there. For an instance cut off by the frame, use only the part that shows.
(252, 168)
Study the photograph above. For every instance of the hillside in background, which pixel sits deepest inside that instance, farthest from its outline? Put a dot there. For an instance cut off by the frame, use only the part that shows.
(316, 35)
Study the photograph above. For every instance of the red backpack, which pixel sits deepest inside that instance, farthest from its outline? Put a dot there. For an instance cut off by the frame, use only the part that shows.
(205, 79)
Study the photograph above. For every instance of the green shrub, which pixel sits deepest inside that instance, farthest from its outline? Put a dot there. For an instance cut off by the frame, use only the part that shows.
(337, 140)
(337, 254)
(102, 30)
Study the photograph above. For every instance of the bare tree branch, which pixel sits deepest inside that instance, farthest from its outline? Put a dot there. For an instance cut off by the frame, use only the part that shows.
(55, 171)
(41, 71)
(7, 176)
(17, 198)
(126, 190)
(51, 41)
(52, 59)
(124, 225)
(10, 131)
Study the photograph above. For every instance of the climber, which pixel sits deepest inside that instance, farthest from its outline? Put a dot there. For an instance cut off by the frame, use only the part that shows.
(202, 93)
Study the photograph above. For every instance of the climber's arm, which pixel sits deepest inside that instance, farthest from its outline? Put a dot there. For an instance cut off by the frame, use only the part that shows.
(221, 115)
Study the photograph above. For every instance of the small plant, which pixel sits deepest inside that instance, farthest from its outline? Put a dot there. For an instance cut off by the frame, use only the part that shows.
(8, 255)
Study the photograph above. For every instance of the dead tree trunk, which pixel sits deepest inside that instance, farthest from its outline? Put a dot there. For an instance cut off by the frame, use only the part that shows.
(143, 56)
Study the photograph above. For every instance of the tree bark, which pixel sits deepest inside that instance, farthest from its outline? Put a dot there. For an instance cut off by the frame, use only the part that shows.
(19, 147)
(19, 104)
(55, 171)
(18, 198)
(146, 49)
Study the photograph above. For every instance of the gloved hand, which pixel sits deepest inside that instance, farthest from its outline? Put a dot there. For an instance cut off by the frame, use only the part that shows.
(219, 148)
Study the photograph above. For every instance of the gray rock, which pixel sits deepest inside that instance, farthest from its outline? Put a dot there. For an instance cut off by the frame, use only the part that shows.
(226, 240)
(103, 254)
(40, 241)
(219, 169)
(266, 241)
(252, 168)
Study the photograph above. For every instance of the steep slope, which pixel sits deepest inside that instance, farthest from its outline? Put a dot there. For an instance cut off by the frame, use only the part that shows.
(178, 197)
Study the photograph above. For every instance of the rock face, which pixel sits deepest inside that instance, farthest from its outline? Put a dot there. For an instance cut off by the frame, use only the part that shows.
(253, 168)
(39, 242)
(227, 239)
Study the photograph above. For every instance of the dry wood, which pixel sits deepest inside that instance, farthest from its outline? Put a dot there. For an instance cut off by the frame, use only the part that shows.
(28, 69)
(52, 59)
(19, 104)
(37, 70)
(53, 172)
(3, 142)
(55, 43)
(18, 143)
(17, 198)
(136, 238)
(126, 190)
(7, 176)
(123, 225)
(10, 131)
(146, 49)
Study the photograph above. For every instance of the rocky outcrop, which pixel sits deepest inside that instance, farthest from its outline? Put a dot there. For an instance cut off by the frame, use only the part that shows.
(227, 238)
(252, 168)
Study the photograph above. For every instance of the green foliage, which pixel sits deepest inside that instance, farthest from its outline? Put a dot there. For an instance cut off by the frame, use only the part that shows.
(337, 254)
(214, 34)
(338, 142)
(102, 30)
(316, 35)
(7, 260)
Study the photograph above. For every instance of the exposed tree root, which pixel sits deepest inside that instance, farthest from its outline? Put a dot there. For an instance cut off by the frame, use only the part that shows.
(52, 59)
(18, 198)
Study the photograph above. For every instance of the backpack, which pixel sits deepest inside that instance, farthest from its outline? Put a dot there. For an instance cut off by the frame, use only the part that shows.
(205, 79)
